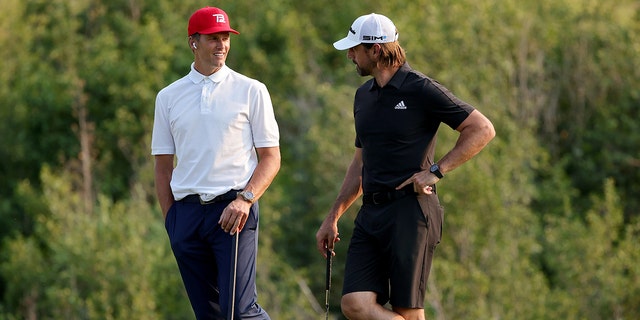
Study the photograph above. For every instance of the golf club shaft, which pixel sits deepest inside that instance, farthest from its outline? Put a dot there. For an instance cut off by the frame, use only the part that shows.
(233, 275)
(328, 281)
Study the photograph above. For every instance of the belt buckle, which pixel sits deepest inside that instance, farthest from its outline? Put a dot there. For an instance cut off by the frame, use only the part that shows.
(375, 195)
(232, 194)
(202, 202)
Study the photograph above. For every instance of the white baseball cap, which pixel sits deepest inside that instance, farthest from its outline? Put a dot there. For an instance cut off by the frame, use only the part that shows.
(371, 28)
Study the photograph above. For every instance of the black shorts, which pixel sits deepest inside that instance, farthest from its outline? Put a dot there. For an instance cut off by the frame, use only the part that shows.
(391, 250)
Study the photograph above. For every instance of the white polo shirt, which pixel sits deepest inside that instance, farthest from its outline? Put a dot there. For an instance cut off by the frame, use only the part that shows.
(214, 143)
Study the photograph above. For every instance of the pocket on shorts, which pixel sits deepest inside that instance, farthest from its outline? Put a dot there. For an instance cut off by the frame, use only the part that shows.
(434, 213)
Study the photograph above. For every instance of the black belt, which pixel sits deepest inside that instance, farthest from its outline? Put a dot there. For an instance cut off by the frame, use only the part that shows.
(383, 197)
(195, 198)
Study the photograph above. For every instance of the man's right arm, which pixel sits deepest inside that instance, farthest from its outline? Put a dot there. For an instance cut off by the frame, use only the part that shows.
(163, 172)
(351, 189)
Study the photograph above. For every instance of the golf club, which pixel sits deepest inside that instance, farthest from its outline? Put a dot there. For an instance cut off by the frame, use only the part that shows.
(328, 282)
(232, 280)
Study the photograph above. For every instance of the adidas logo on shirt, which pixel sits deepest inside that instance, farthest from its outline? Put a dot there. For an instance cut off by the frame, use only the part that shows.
(400, 106)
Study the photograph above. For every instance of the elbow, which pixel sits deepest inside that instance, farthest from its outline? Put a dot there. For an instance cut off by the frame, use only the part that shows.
(490, 131)
(275, 160)
(486, 130)
(479, 126)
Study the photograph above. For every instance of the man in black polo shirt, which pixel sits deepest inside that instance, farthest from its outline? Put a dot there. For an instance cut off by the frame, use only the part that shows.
(397, 114)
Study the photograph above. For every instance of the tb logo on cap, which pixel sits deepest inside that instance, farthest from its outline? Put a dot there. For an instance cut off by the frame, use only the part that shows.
(209, 20)
(219, 18)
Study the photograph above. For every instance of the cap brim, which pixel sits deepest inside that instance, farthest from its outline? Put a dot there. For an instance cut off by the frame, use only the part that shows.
(345, 44)
(218, 30)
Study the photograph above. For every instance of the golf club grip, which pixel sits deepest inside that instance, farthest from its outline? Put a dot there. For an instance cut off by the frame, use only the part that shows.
(329, 262)
(328, 283)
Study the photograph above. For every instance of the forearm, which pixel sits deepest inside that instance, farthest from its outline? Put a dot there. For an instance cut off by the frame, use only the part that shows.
(165, 198)
(475, 133)
(163, 172)
(350, 191)
(266, 170)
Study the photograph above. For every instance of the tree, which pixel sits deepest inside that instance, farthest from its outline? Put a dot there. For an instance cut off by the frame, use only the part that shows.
(594, 261)
(558, 79)
(113, 264)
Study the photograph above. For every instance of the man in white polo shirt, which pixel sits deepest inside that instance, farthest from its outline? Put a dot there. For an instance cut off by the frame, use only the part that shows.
(221, 127)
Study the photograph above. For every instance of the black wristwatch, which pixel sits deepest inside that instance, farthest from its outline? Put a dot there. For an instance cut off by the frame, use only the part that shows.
(247, 196)
(435, 169)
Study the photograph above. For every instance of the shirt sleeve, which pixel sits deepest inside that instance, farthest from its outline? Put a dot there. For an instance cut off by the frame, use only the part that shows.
(161, 138)
(264, 127)
(447, 107)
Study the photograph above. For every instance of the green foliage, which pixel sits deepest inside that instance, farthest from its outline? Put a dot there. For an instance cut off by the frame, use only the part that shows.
(595, 261)
(543, 224)
(105, 265)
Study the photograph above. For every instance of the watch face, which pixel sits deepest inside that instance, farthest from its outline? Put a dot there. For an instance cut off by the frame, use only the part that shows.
(247, 195)
(435, 169)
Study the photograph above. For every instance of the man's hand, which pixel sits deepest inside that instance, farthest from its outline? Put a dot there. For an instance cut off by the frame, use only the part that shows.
(423, 182)
(234, 216)
(326, 237)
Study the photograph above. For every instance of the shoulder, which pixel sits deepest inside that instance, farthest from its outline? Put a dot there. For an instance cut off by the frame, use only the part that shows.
(416, 77)
(417, 81)
(239, 78)
(241, 84)
(366, 87)
(175, 86)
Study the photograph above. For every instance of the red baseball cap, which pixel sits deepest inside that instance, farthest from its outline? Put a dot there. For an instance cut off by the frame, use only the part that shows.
(209, 20)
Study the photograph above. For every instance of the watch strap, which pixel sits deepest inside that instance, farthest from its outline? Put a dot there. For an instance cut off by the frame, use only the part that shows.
(435, 169)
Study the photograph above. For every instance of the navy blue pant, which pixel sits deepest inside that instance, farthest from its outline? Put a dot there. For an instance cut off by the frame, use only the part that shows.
(204, 251)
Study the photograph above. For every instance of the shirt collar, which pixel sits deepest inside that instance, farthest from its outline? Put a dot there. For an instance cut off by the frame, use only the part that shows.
(397, 79)
(217, 76)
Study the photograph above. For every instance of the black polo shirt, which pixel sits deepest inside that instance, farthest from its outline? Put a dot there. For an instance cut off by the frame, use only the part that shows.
(394, 125)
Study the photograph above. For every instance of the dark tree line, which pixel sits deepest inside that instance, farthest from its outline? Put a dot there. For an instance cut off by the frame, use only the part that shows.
(543, 224)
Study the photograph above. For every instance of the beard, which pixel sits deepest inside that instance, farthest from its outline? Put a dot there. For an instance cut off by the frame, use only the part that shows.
(364, 70)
